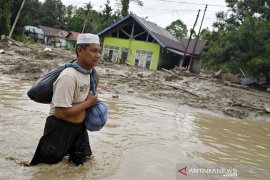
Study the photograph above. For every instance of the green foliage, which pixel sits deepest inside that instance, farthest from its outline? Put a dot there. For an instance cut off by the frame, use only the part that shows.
(241, 39)
(178, 28)
(105, 17)
(53, 13)
(94, 21)
(260, 65)
(5, 14)
(205, 34)
(24, 39)
(75, 23)
(124, 5)
(30, 14)
(258, 8)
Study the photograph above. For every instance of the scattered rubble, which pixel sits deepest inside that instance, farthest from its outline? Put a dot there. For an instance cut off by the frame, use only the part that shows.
(228, 77)
(222, 94)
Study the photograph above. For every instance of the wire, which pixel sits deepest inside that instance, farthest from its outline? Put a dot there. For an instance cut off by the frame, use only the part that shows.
(177, 9)
(181, 2)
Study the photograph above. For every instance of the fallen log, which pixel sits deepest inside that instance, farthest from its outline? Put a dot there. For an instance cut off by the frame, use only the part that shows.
(177, 87)
(246, 106)
(236, 85)
(168, 71)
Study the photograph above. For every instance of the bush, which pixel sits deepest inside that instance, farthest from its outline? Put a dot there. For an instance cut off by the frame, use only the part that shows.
(24, 39)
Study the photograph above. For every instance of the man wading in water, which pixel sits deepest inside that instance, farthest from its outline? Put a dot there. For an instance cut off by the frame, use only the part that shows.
(64, 132)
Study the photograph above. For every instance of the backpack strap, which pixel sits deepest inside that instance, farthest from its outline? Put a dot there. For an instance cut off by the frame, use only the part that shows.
(93, 81)
(78, 68)
(92, 72)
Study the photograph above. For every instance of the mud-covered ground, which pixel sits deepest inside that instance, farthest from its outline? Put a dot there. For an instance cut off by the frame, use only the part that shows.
(29, 62)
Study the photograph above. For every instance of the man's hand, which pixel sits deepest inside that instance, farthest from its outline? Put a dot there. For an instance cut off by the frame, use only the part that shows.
(103, 86)
(92, 100)
(76, 113)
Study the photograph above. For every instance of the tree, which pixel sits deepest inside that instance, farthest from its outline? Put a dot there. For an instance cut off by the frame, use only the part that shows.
(178, 28)
(30, 14)
(241, 39)
(252, 8)
(70, 12)
(107, 17)
(205, 34)
(53, 13)
(124, 4)
(84, 19)
(5, 14)
(87, 12)
(94, 21)
(75, 23)
(107, 11)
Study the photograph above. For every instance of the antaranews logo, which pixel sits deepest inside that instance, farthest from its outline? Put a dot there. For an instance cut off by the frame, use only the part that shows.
(183, 170)
(186, 171)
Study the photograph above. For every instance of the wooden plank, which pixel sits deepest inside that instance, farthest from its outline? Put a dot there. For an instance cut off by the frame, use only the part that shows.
(125, 32)
(168, 71)
(177, 87)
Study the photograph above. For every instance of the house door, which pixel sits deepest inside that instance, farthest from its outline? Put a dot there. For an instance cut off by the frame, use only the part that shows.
(186, 62)
(110, 54)
(124, 55)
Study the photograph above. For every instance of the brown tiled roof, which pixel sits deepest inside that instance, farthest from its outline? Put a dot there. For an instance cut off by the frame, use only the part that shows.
(49, 31)
(199, 46)
(72, 36)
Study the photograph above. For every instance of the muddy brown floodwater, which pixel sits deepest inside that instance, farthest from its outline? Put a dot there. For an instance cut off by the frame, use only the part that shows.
(143, 139)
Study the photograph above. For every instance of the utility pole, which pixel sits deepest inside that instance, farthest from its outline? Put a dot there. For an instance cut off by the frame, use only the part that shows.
(192, 30)
(15, 22)
(197, 38)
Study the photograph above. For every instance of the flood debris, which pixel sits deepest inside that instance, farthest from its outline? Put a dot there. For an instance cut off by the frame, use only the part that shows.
(115, 96)
(227, 77)
(47, 49)
(219, 92)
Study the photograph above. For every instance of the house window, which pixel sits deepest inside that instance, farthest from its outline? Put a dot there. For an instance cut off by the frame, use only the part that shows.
(110, 52)
(143, 58)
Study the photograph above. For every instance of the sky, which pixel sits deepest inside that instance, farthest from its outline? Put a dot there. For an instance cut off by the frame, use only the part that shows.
(163, 12)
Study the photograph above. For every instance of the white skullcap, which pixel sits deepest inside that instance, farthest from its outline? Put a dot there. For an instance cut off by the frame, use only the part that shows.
(88, 38)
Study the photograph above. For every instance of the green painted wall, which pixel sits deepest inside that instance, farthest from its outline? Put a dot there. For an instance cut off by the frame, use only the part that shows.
(70, 44)
(133, 46)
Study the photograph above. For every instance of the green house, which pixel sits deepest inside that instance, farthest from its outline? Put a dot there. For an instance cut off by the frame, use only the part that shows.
(136, 41)
(71, 39)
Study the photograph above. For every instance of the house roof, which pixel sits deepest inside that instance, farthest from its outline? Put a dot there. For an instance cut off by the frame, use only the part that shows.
(49, 31)
(72, 36)
(199, 46)
(33, 29)
(161, 35)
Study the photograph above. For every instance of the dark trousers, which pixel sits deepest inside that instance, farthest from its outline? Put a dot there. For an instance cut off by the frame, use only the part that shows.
(62, 138)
